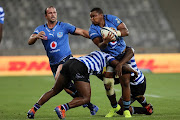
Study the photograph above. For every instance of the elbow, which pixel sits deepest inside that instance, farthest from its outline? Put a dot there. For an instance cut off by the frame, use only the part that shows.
(127, 33)
(30, 43)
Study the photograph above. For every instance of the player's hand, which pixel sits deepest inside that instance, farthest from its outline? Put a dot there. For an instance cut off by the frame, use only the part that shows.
(109, 37)
(118, 70)
(41, 35)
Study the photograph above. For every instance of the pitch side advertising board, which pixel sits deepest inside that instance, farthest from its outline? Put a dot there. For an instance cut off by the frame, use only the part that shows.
(39, 65)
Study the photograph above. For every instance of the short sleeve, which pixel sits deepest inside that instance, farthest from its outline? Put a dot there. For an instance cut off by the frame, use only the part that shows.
(93, 33)
(115, 20)
(70, 28)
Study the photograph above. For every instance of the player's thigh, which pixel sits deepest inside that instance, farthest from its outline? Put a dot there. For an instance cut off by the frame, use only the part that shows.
(109, 73)
(83, 88)
(58, 71)
(60, 83)
(125, 79)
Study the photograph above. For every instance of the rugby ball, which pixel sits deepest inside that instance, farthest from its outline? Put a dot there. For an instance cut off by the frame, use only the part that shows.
(105, 31)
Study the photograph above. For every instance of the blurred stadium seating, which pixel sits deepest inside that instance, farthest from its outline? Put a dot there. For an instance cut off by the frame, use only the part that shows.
(150, 30)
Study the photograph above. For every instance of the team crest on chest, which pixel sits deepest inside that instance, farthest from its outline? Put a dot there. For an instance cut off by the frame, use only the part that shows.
(59, 34)
(53, 45)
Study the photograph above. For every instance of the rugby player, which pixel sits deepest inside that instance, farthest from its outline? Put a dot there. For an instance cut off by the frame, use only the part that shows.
(116, 49)
(55, 38)
(79, 70)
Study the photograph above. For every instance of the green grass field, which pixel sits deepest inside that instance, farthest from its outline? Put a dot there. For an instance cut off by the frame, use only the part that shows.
(18, 95)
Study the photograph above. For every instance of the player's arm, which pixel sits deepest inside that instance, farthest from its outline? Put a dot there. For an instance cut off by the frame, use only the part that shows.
(1, 31)
(122, 30)
(103, 42)
(82, 32)
(127, 56)
(34, 37)
(125, 67)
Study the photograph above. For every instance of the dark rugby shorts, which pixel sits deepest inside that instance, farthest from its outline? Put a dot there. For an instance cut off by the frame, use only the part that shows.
(75, 70)
(137, 90)
(54, 67)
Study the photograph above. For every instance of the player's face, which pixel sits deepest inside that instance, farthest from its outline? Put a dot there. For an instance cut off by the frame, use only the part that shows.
(51, 14)
(95, 17)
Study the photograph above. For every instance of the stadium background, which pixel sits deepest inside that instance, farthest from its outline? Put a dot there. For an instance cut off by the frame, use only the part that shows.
(153, 24)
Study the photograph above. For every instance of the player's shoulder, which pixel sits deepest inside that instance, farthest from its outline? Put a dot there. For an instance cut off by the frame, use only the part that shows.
(65, 24)
(98, 52)
(95, 27)
(109, 17)
(41, 26)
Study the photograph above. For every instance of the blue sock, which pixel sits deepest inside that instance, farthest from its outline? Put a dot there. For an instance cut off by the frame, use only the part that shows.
(126, 104)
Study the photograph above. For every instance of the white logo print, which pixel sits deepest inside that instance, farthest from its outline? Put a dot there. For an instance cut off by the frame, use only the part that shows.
(78, 76)
(51, 34)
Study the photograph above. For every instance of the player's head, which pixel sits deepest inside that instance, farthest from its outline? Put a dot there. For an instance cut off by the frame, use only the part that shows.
(51, 14)
(96, 15)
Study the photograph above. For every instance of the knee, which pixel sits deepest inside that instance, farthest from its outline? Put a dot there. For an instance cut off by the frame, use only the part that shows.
(109, 86)
(54, 92)
(86, 99)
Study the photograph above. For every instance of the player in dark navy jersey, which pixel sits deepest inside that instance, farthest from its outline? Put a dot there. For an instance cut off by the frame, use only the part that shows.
(1, 22)
(55, 38)
(79, 70)
(116, 49)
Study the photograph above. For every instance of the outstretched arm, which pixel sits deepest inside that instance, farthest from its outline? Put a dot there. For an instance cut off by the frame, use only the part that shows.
(82, 32)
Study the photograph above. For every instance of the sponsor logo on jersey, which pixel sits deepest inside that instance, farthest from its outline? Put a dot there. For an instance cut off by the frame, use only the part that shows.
(59, 34)
(113, 43)
(51, 34)
(53, 45)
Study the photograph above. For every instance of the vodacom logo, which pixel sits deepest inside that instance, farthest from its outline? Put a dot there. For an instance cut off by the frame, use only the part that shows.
(53, 45)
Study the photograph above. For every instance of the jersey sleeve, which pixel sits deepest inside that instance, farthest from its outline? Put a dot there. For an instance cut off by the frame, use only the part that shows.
(2, 15)
(93, 33)
(115, 20)
(109, 58)
(70, 28)
(37, 30)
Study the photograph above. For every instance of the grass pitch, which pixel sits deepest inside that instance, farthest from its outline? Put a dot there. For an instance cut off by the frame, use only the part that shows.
(19, 94)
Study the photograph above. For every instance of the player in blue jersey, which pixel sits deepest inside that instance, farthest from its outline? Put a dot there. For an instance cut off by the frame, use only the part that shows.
(79, 70)
(1, 22)
(116, 49)
(55, 38)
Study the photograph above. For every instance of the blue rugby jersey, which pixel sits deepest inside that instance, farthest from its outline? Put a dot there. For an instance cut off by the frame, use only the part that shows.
(113, 48)
(140, 78)
(96, 61)
(1, 15)
(57, 44)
